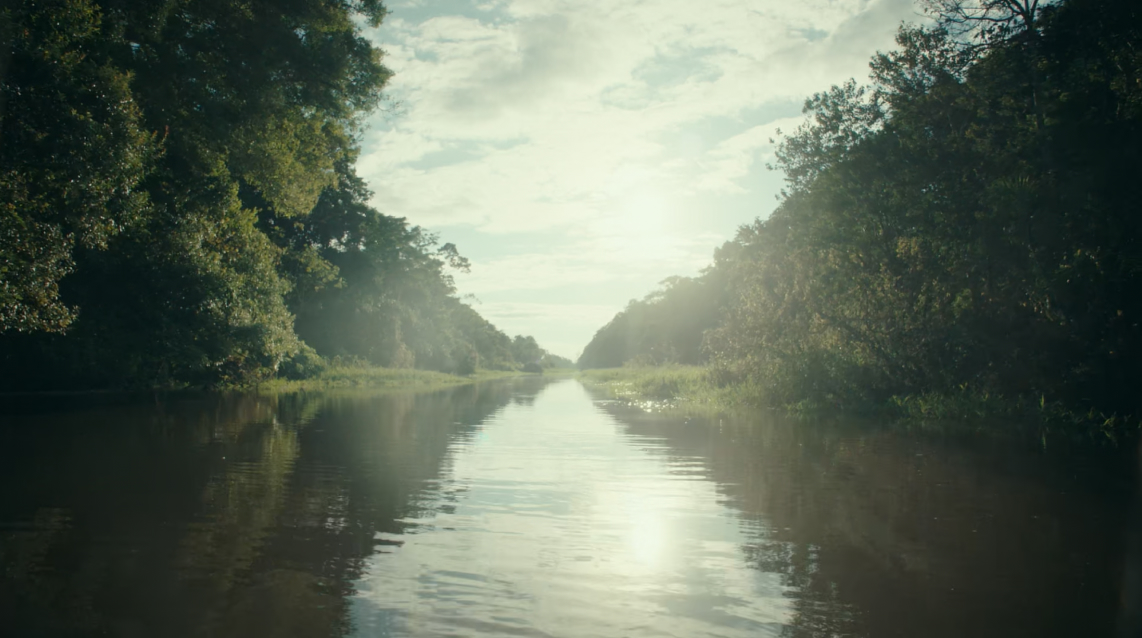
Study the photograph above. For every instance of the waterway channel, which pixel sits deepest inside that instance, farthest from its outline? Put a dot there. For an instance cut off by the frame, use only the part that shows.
(533, 507)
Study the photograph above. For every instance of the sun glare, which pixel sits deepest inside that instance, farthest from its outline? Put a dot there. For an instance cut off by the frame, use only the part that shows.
(647, 538)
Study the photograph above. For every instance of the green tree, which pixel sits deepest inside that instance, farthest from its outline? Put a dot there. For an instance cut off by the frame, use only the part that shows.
(256, 104)
(950, 225)
(667, 326)
(526, 350)
(964, 222)
(72, 153)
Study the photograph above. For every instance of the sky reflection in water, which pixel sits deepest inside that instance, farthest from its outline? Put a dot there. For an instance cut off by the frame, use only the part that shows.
(531, 508)
(566, 525)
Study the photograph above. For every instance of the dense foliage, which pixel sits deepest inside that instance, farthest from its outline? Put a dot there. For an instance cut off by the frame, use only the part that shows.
(966, 223)
(665, 327)
(177, 185)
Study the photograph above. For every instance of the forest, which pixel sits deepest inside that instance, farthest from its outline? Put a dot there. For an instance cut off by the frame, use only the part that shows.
(179, 203)
(964, 224)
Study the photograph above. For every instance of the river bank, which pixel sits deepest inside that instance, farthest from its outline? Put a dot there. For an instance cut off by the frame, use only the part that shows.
(377, 378)
(336, 379)
(688, 388)
(669, 388)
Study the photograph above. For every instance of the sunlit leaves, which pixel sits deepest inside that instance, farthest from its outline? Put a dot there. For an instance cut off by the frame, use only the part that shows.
(967, 220)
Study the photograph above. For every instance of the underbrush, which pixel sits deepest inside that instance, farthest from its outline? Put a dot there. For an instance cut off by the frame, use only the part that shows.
(670, 387)
(969, 404)
(355, 376)
(665, 386)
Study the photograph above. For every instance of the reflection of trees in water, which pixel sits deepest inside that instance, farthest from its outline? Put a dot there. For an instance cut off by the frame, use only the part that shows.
(366, 465)
(818, 609)
(225, 515)
(881, 533)
(117, 476)
(527, 389)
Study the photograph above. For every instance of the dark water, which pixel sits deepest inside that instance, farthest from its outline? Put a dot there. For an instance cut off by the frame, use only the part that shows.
(532, 509)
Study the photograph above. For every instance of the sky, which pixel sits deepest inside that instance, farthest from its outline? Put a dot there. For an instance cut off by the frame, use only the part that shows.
(580, 152)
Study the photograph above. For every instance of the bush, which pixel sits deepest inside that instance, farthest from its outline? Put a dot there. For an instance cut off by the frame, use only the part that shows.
(467, 360)
(306, 364)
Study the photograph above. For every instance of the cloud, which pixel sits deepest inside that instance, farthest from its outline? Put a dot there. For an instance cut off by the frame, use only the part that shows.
(598, 259)
(597, 121)
(725, 165)
(564, 293)
(561, 328)
(590, 86)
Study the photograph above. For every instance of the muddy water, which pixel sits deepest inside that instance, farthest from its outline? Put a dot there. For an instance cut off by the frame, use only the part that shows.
(534, 508)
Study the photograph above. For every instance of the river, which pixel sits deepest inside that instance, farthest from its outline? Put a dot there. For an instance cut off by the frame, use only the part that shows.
(534, 508)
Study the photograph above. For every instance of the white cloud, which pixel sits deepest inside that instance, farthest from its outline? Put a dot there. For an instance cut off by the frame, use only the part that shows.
(567, 114)
(564, 328)
(731, 160)
(600, 259)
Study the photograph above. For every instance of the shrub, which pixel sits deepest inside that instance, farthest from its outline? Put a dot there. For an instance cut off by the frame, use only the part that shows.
(306, 364)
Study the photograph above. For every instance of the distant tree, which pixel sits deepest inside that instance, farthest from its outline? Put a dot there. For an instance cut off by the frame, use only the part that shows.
(667, 326)
(525, 350)
(555, 361)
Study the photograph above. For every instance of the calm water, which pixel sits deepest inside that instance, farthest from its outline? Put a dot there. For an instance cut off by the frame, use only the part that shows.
(532, 508)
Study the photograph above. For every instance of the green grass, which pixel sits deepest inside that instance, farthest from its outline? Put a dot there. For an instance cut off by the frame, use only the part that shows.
(665, 387)
(694, 387)
(349, 377)
(967, 404)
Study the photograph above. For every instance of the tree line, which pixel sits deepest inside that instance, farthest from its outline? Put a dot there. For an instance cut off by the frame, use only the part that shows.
(179, 203)
(967, 221)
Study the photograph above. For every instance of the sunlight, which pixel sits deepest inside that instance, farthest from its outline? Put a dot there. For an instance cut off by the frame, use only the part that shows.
(290, 291)
(644, 211)
(641, 211)
(647, 537)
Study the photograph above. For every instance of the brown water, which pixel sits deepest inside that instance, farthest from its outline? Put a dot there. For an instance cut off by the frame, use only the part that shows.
(532, 508)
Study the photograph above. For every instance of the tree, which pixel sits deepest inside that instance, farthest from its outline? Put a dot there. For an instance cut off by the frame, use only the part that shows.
(525, 350)
(667, 326)
(986, 21)
(255, 104)
(963, 223)
(72, 153)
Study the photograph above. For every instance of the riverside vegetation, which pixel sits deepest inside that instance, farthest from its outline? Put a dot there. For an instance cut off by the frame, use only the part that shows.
(179, 204)
(957, 238)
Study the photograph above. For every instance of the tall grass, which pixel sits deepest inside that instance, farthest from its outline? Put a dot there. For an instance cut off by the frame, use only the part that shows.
(342, 377)
(966, 403)
(669, 386)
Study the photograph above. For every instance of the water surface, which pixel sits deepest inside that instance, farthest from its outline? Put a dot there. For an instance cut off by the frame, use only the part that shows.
(532, 508)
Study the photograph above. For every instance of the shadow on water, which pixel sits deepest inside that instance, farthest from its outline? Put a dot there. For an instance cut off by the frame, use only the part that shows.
(507, 508)
(883, 532)
(214, 515)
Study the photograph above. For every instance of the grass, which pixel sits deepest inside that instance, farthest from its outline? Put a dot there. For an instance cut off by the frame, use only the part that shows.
(685, 387)
(349, 377)
(665, 387)
(967, 404)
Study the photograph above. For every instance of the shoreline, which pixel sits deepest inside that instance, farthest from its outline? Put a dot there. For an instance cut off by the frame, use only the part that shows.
(687, 388)
(374, 379)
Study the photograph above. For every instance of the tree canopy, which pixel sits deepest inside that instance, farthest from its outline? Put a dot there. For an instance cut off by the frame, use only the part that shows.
(965, 220)
(178, 200)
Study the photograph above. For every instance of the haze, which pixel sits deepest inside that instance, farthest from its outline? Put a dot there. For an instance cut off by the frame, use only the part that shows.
(580, 152)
